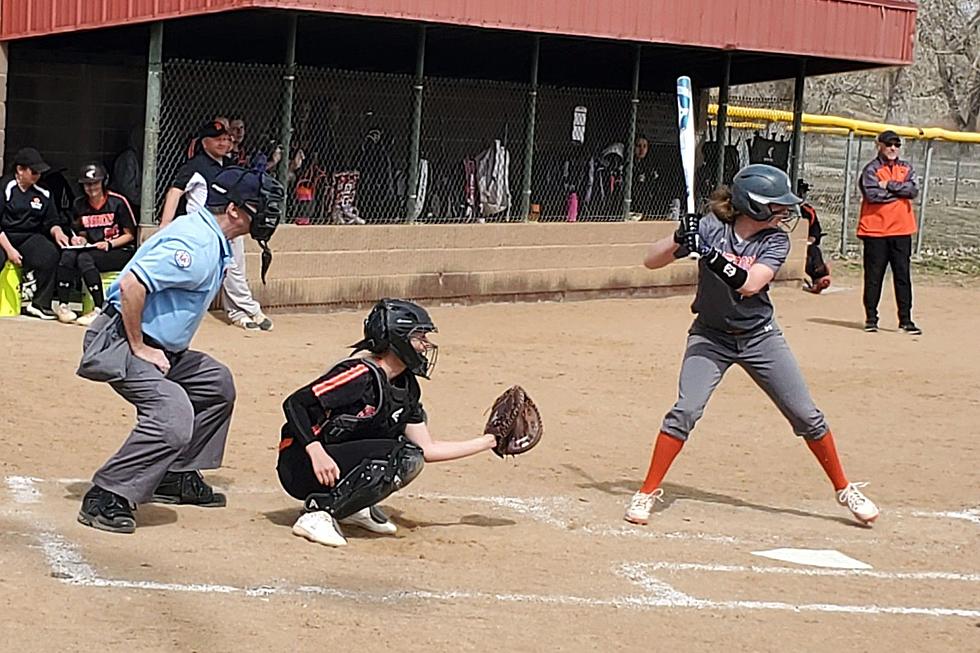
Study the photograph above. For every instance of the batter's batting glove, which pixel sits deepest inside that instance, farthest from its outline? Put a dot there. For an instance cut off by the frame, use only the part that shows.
(686, 235)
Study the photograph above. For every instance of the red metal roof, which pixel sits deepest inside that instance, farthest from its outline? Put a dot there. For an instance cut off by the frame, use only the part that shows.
(876, 31)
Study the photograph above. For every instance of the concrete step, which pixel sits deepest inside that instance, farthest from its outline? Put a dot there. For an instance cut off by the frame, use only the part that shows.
(350, 263)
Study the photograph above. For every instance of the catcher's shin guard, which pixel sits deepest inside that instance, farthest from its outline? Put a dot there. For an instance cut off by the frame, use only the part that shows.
(369, 482)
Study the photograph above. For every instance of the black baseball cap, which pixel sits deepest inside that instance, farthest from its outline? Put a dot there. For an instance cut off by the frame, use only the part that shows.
(28, 157)
(889, 137)
(212, 129)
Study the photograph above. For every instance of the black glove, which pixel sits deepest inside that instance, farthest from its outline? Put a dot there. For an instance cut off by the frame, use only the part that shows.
(686, 235)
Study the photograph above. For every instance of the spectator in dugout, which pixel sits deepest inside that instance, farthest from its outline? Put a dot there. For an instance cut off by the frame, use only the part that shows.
(105, 238)
(189, 190)
(30, 228)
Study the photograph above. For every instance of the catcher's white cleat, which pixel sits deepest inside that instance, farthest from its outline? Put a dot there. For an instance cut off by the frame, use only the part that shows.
(641, 505)
(319, 526)
(371, 519)
(863, 508)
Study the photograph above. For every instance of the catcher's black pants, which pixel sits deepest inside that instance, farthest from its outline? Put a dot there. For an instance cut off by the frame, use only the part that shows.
(296, 470)
(880, 253)
(41, 255)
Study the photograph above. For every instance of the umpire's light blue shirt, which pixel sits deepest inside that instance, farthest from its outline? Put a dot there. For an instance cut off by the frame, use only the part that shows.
(182, 268)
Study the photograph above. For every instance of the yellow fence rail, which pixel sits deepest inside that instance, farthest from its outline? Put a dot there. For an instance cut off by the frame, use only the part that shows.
(858, 127)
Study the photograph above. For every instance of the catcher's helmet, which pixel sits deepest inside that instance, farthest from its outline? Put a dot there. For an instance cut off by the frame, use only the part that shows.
(393, 324)
(757, 186)
(91, 172)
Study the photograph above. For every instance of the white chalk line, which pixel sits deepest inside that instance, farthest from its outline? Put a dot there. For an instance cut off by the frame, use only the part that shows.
(69, 566)
(971, 514)
(803, 571)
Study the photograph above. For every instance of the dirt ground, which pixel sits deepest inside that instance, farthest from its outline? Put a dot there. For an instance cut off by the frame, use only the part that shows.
(530, 554)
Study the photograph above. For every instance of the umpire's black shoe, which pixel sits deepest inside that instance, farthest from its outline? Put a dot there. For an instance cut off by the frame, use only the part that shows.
(909, 327)
(106, 511)
(871, 327)
(187, 488)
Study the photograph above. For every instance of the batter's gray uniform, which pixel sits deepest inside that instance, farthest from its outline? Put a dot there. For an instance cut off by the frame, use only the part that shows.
(731, 329)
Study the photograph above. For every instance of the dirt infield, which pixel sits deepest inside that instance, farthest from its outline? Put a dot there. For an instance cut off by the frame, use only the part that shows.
(530, 554)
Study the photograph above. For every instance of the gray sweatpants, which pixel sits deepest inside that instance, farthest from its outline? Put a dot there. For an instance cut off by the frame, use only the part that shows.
(182, 418)
(236, 296)
(765, 356)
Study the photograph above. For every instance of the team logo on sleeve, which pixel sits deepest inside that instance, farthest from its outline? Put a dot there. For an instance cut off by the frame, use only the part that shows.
(182, 258)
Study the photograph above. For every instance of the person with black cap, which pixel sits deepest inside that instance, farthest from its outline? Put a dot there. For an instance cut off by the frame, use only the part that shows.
(104, 241)
(189, 190)
(140, 346)
(885, 228)
(30, 228)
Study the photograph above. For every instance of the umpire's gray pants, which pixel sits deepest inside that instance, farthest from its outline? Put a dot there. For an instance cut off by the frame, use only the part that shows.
(182, 418)
(765, 356)
(236, 296)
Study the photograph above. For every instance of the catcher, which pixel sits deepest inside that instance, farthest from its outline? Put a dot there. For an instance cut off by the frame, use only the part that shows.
(358, 433)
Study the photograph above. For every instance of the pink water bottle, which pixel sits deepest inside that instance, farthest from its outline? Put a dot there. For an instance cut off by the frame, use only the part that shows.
(572, 209)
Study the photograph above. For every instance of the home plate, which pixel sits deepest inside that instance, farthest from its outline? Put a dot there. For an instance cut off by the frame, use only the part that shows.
(814, 558)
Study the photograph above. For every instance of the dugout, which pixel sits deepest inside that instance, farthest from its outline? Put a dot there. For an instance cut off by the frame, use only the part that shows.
(554, 95)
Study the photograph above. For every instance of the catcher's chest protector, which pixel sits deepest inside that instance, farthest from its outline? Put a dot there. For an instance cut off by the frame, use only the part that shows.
(384, 421)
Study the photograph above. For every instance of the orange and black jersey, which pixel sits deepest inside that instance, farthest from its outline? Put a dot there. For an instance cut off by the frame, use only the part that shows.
(106, 221)
(814, 230)
(353, 400)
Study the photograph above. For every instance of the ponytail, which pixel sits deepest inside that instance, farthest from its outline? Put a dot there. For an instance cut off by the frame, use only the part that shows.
(720, 203)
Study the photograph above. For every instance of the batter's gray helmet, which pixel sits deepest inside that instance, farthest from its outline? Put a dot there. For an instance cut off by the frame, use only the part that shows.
(757, 186)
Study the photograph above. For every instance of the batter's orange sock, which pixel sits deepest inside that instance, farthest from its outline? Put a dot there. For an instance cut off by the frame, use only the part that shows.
(826, 452)
(664, 451)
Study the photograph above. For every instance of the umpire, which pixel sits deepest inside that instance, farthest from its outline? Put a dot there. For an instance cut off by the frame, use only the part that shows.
(139, 345)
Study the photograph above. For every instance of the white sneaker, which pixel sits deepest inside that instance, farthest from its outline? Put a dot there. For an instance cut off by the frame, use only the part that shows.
(246, 323)
(263, 321)
(319, 526)
(65, 315)
(863, 508)
(371, 519)
(641, 505)
(87, 319)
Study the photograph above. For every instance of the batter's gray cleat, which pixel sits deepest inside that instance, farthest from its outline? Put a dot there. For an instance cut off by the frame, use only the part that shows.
(641, 505)
(187, 488)
(106, 511)
(319, 526)
(863, 508)
(371, 519)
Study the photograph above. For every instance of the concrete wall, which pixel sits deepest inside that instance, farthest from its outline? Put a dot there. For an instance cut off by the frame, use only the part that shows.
(74, 107)
(326, 266)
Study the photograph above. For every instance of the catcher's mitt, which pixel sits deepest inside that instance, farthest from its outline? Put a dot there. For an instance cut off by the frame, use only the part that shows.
(515, 422)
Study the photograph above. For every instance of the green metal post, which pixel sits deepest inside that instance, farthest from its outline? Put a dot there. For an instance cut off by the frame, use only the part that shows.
(288, 89)
(720, 136)
(629, 153)
(413, 152)
(794, 166)
(532, 108)
(151, 125)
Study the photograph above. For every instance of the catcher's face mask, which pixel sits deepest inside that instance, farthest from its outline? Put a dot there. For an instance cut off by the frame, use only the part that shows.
(426, 351)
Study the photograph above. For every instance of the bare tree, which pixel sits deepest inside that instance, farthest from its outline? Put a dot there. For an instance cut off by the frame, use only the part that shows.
(949, 36)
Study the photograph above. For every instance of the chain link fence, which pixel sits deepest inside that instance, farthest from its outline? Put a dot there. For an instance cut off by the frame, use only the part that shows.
(950, 235)
(349, 155)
